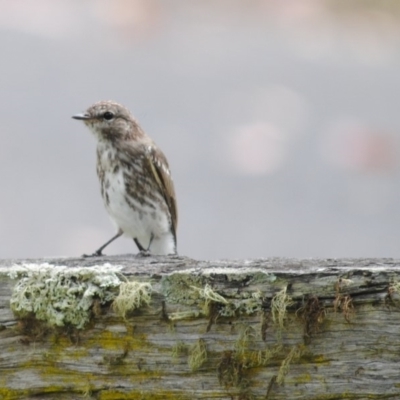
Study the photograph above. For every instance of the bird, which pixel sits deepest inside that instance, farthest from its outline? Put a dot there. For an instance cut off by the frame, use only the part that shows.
(135, 180)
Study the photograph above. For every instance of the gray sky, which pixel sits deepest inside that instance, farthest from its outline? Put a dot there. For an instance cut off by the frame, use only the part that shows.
(279, 119)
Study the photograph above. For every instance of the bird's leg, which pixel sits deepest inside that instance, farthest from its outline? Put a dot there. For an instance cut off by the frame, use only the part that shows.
(151, 240)
(98, 252)
(139, 246)
(142, 251)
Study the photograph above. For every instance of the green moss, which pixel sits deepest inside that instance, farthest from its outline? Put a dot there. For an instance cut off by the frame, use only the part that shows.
(230, 370)
(179, 349)
(197, 355)
(9, 394)
(294, 354)
(353, 396)
(141, 395)
(308, 358)
(108, 340)
(265, 357)
(246, 336)
(304, 378)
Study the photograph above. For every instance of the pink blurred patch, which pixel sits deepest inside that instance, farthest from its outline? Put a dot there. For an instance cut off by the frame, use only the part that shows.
(257, 149)
(357, 147)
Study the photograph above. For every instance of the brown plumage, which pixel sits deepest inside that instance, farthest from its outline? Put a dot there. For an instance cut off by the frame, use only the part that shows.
(136, 184)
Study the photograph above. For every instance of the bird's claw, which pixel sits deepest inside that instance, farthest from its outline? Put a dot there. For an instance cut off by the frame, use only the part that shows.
(95, 254)
(143, 253)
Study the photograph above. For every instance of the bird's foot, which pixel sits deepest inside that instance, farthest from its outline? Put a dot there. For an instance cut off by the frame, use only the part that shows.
(173, 256)
(95, 254)
(143, 253)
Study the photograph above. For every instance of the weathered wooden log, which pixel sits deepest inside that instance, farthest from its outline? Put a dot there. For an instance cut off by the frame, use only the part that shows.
(125, 327)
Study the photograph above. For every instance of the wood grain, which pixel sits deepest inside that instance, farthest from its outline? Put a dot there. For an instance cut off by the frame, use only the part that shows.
(230, 329)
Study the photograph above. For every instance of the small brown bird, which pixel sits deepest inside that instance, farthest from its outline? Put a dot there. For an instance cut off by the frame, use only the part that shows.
(136, 184)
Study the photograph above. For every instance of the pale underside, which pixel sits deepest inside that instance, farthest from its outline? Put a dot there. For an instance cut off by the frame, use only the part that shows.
(149, 223)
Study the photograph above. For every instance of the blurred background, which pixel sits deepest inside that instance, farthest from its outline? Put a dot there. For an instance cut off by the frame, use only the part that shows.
(280, 120)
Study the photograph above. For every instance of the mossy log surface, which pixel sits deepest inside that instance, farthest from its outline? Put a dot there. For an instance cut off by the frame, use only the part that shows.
(236, 329)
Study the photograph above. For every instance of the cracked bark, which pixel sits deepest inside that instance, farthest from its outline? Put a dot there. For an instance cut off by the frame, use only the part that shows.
(230, 329)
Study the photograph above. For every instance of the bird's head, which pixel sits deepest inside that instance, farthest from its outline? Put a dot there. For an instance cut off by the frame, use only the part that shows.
(110, 121)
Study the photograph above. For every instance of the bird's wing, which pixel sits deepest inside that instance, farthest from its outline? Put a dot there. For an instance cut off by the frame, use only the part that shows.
(160, 169)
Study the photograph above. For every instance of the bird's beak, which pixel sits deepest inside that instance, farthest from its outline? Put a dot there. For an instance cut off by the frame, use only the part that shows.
(82, 116)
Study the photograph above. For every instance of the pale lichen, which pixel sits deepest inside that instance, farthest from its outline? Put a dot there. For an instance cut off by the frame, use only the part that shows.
(176, 287)
(179, 315)
(132, 295)
(61, 295)
(279, 304)
(210, 297)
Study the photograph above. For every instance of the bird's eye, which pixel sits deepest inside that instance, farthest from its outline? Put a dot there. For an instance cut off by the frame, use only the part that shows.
(108, 115)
